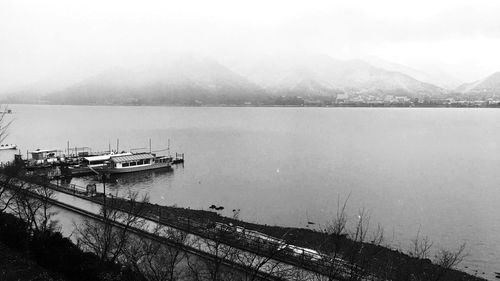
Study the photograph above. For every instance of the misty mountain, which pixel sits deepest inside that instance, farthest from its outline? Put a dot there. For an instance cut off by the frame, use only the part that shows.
(325, 75)
(181, 81)
(191, 80)
(435, 77)
(488, 85)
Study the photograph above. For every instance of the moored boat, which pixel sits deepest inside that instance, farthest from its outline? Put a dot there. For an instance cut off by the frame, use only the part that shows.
(93, 163)
(7, 146)
(137, 162)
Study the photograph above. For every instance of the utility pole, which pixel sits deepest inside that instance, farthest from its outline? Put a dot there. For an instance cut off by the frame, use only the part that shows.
(102, 175)
(104, 193)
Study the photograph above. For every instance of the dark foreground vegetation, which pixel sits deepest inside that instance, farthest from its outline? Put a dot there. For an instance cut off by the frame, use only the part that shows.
(104, 250)
(28, 229)
(61, 259)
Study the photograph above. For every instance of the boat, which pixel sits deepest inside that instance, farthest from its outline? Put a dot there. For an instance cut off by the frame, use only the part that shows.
(44, 157)
(93, 164)
(137, 162)
(7, 146)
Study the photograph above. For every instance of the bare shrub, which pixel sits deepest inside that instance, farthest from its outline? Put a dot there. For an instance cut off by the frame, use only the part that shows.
(109, 237)
(420, 246)
(155, 260)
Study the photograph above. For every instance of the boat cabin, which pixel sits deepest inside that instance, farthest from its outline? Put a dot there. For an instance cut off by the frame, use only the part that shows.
(101, 160)
(132, 160)
(141, 159)
(42, 154)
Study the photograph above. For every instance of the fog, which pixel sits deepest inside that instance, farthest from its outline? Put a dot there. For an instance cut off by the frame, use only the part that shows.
(54, 42)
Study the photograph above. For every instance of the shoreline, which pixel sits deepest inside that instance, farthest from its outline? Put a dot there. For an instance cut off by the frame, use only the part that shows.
(337, 249)
(376, 257)
(256, 106)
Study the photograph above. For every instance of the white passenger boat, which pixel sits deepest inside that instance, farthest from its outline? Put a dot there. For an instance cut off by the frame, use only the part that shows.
(7, 146)
(94, 163)
(137, 162)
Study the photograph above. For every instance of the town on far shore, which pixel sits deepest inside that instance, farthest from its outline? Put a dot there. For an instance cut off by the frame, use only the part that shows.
(354, 99)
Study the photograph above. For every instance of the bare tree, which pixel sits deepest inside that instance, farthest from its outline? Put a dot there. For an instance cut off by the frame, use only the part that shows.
(221, 253)
(335, 232)
(420, 246)
(196, 268)
(32, 204)
(377, 237)
(449, 259)
(10, 172)
(338, 225)
(215, 266)
(352, 252)
(362, 227)
(8, 184)
(157, 261)
(4, 123)
(266, 264)
(109, 237)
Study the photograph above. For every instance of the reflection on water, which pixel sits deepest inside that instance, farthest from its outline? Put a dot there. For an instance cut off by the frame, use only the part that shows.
(122, 184)
(139, 181)
(142, 177)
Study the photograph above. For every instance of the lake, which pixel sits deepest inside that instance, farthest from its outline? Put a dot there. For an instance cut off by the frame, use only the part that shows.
(428, 170)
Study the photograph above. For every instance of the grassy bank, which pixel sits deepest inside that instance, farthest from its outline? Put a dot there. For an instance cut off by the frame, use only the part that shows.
(371, 256)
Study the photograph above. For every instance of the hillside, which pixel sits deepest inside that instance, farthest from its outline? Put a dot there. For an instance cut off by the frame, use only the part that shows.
(325, 75)
(182, 81)
(488, 85)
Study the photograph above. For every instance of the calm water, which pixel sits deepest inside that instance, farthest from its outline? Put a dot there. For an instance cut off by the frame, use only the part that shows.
(436, 170)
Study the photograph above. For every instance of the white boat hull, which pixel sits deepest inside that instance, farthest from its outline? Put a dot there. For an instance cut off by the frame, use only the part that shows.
(7, 147)
(132, 169)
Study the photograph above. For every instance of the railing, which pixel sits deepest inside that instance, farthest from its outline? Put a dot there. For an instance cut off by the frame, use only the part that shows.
(249, 242)
(246, 240)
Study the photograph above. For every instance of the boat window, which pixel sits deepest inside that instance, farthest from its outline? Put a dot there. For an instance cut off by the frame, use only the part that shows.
(146, 161)
(125, 164)
(140, 162)
(133, 163)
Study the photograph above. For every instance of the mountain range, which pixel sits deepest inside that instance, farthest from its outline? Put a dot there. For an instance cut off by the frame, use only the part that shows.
(200, 80)
(488, 85)
(323, 75)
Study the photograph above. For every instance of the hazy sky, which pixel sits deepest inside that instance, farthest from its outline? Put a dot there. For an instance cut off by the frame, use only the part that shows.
(60, 40)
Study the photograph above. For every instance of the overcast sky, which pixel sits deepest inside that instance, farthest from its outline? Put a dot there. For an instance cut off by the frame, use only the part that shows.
(62, 40)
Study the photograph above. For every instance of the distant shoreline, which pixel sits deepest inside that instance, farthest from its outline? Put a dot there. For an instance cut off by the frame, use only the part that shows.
(268, 106)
